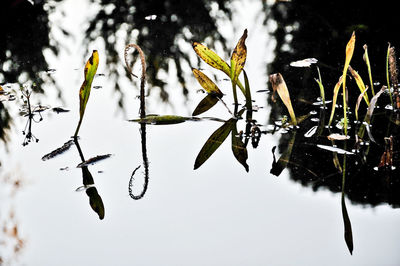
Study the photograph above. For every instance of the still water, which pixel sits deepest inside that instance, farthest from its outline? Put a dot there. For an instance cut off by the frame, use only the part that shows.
(216, 215)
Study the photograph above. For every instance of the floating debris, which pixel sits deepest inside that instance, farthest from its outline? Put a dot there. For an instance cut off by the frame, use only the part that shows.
(93, 160)
(335, 136)
(59, 110)
(58, 151)
(334, 149)
(304, 63)
(311, 132)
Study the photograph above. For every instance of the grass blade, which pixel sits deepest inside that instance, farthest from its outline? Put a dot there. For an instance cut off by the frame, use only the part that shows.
(334, 99)
(366, 59)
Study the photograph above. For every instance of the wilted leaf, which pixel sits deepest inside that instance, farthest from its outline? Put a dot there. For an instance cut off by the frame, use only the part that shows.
(238, 148)
(304, 63)
(238, 58)
(360, 83)
(213, 142)
(207, 83)
(279, 85)
(371, 106)
(84, 92)
(162, 119)
(205, 104)
(211, 58)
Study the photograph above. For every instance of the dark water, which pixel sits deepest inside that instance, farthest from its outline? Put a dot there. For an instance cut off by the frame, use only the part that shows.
(218, 214)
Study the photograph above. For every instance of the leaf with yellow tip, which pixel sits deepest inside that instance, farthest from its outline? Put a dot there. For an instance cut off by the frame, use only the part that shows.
(84, 92)
(279, 85)
(349, 54)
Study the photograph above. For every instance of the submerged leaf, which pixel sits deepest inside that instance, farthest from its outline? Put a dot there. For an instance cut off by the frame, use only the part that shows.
(213, 142)
(84, 92)
(238, 58)
(279, 85)
(205, 104)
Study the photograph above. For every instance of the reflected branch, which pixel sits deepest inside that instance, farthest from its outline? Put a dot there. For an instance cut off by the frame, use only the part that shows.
(142, 123)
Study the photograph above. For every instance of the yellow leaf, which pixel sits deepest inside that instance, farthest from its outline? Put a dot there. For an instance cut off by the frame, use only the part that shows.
(349, 55)
(238, 57)
(207, 83)
(211, 58)
(84, 92)
(279, 85)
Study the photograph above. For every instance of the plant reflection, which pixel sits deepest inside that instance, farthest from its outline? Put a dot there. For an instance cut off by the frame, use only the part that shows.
(95, 200)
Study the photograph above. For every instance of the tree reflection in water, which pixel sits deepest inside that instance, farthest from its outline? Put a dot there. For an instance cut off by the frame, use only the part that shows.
(157, 27)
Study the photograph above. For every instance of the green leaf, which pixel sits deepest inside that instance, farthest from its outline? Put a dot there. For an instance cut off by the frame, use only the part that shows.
(205, 104)
(84, 92)
(207, 83)
(238, 148)
(162, 119)
(278, 167)
(238, 58)
(213, 142)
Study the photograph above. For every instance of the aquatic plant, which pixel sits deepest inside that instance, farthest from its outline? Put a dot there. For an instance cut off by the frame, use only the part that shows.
(84, 92)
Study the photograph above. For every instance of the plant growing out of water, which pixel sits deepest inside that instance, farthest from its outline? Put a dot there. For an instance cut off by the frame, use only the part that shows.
(84, 92)
(214, 95)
